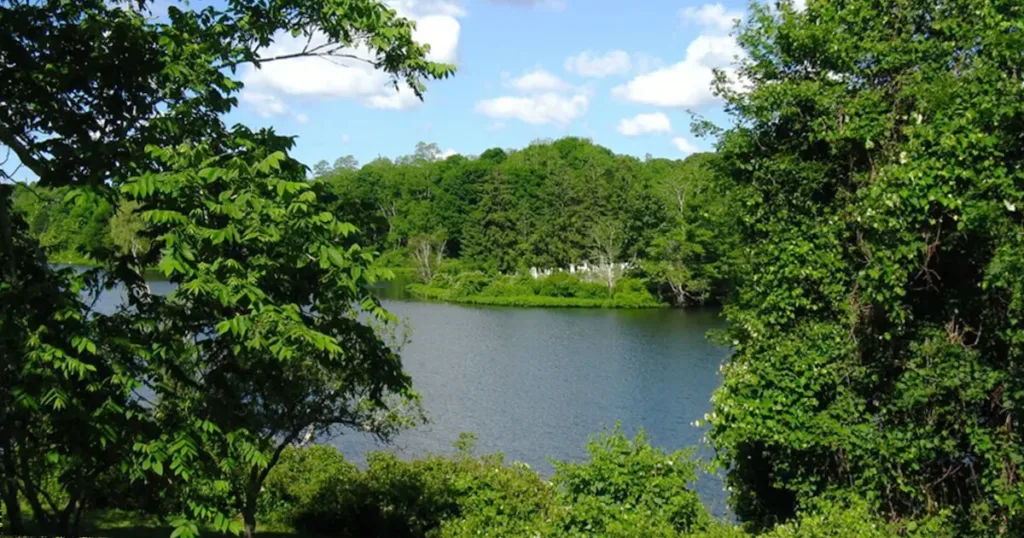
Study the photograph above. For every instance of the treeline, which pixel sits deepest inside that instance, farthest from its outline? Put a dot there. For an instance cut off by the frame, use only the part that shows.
(551, 205)
(666, 225)
(75, 226)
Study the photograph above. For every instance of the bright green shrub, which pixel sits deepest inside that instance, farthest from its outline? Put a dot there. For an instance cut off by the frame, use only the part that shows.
(629, 488)
(842, 519)
(557, 285)
(299, 477)
(508, 286)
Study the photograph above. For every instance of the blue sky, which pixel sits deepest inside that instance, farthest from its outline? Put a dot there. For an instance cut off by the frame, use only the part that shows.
(622, 73)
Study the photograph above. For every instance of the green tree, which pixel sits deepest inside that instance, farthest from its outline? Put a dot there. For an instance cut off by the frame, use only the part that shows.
(126, 230)
(269, 286)
(90, 89)
(63, 403)
(493, 236)
(347, 162)
(321, 168)
(878, 336)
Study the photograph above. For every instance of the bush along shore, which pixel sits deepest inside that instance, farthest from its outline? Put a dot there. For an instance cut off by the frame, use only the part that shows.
(624, 488)
(559, 289)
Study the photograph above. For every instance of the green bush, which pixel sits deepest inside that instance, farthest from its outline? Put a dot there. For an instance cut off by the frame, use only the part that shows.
(557, 285)
(300, 476)
(556, 290)
(626, 488)
(827, 518)
(629, 488)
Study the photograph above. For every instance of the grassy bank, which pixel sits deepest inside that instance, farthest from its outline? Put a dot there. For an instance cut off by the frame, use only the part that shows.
(454, 285)
(433, 293)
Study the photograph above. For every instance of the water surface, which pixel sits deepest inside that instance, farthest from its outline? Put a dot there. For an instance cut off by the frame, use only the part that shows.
(535, 383)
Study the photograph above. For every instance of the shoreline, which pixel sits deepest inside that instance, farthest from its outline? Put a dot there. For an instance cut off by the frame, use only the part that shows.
(430, 293)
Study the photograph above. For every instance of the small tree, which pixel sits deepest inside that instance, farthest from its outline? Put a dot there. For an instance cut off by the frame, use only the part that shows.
(261, 342)
(607, 243)
(428, 252)
(347, 162)
(126, 227)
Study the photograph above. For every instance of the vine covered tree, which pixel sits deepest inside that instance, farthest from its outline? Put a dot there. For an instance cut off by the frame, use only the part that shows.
(879, 336)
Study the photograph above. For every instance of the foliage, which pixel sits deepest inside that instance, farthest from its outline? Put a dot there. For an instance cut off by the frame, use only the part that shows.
(831, 518)
(556, 290)
(65, 411)
(71, 229)
(879, 333)
(625, 488)
(269, 286)
(551, 205)
(102, 95)
(628, 488)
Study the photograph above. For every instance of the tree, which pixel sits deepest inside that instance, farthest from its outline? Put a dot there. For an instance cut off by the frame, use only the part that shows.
(607, 239)
(878, 335)
(126, 230)
(347, 162)
(428, 253)
(92, 91)
(269, 286)
(695, 253)
(492, 237)
(321, 168)
(65, 408)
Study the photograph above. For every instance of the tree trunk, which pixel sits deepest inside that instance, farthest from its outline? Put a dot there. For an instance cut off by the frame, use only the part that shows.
(249, 516)
(76, 523)
(66, 522)
(6, 196)
(9, 491)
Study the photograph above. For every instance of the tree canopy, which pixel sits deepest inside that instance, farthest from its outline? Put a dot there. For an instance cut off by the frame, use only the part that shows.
(104, 100)
(878, 335)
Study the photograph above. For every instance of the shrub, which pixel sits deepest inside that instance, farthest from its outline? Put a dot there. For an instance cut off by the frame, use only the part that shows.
(828, 518)
(507, 286)
(300, 476)
(557, 285)
(629, 488)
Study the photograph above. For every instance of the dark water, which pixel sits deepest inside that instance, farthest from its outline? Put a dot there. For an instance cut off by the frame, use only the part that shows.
(535, 383)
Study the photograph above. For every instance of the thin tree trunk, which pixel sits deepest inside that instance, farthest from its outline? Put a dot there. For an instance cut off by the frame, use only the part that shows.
(6, 194)
(249, 516)
(9, 490)
(76, 524)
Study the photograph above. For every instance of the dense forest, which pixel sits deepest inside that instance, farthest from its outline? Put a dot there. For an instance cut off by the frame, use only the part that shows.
(871, 175)
(662, 229)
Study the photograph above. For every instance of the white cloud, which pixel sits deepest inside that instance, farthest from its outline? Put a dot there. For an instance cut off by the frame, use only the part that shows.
(447, 153)
(345, 137)
(588, 64)
(496, 126)
(320, 78)
(645, 63)
(401, 99)
(266, 105)
(684, 145)
(536, 109)
(645, 124)
(301, 117)
(417, 8)
(539, 80)
(687, 83)
(712, 16)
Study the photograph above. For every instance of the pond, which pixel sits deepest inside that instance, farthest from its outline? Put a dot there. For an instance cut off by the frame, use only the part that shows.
(535, 383)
